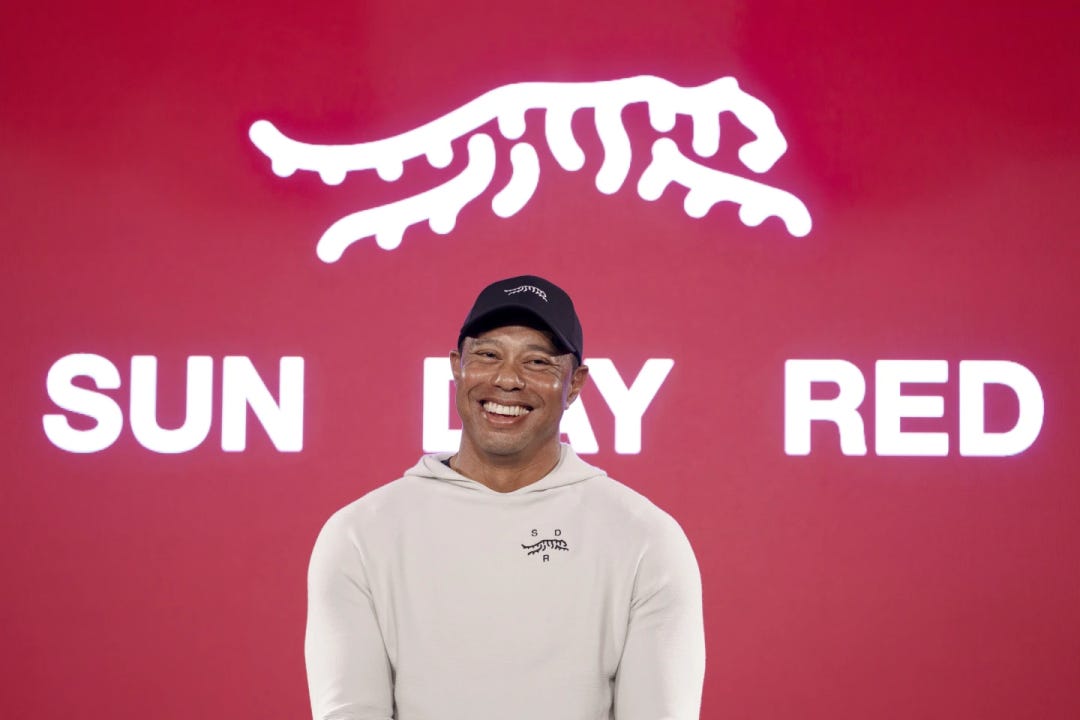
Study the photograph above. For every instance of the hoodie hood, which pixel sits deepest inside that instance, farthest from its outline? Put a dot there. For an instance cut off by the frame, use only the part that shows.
(569, 470)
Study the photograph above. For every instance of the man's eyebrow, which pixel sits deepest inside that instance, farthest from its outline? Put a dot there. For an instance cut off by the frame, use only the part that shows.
(531, 347)
(546, 349)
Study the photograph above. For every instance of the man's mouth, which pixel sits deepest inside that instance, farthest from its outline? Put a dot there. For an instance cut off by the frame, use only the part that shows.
(506, 410)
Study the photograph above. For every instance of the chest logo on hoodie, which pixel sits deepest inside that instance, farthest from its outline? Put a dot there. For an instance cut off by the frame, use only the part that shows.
(545, 546)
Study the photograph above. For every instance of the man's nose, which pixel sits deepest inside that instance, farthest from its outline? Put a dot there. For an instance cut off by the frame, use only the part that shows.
(508, 376)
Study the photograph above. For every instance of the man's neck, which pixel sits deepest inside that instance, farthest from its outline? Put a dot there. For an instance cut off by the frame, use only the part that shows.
(505, 474)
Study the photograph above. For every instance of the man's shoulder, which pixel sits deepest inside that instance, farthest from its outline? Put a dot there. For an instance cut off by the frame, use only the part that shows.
(377, 502)
(621, 503)
(637, 525)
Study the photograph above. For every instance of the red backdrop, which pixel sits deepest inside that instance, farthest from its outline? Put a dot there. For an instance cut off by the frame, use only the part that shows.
(933, 144)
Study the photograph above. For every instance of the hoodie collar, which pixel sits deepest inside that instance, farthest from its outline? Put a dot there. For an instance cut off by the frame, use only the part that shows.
(569, 470)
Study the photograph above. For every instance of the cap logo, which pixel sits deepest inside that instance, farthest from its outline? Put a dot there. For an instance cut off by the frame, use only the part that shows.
(527, 288)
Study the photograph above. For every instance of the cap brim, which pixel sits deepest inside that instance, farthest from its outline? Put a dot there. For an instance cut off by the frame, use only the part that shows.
(513, 315)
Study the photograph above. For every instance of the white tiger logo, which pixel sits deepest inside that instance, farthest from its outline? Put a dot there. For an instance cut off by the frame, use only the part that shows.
(440, 205)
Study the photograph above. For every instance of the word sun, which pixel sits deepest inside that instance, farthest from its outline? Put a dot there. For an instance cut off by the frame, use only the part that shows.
(242, 389)
(440, 205)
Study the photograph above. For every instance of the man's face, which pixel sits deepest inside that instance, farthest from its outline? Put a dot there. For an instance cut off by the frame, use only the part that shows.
(512, 387)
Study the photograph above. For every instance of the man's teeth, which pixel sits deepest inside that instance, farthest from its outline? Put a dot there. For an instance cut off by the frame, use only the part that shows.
(498, 409)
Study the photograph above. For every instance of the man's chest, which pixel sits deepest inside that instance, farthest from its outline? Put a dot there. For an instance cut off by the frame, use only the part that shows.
(543, 582)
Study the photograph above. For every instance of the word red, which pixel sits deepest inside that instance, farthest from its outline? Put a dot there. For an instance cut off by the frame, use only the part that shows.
(891, 406)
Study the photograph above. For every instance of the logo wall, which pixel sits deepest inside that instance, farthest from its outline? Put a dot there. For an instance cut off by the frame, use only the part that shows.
(439, 206)
(507, 105)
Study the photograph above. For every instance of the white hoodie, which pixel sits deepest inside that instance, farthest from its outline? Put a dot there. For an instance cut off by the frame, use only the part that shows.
(437, 598)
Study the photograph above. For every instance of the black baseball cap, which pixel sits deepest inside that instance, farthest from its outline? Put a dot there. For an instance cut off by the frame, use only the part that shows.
(526, 300)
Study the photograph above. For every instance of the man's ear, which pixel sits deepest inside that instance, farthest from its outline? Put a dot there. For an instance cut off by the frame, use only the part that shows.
(577, 381)
(455, 364)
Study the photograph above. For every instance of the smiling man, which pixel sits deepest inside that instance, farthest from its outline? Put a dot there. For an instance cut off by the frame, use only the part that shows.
(509, 579)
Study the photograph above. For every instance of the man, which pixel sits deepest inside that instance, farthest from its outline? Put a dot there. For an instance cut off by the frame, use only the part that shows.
(509, 580)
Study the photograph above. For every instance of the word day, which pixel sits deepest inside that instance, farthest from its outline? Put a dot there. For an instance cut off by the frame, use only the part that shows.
(627, 403)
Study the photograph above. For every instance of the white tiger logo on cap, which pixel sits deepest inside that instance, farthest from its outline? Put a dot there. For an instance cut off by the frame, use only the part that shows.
(531, 288)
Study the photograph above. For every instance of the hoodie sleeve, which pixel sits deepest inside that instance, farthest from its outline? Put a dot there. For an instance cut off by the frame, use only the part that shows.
(349, 676)
(662, 669)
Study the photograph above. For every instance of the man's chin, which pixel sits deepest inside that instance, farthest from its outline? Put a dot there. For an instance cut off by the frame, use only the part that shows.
(507, 446)
(502, 449)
